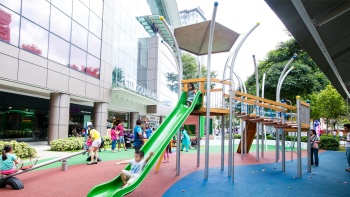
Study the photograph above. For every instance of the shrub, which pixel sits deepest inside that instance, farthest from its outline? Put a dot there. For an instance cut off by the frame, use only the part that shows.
(236, 136)
(329, 143)
(107, 141)
(68, 144)
(20, 149)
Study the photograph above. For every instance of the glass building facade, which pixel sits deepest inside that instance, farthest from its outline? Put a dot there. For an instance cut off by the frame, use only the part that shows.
(61, 61)
(67, 32)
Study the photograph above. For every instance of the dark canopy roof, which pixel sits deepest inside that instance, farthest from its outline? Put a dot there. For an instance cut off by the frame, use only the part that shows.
(194, 38)
(323, 29)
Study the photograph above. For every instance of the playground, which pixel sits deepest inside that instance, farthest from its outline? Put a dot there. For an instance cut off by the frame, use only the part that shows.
(231, 167)
(263, 178)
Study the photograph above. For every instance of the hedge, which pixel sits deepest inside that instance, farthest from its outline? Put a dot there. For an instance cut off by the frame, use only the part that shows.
(73, 143)
(20, 149)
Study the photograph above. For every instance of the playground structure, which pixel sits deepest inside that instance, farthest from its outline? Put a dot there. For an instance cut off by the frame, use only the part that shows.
(223, 103)
(16, 184)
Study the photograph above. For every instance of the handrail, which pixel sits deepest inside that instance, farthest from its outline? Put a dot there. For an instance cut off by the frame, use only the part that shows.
(43, 164)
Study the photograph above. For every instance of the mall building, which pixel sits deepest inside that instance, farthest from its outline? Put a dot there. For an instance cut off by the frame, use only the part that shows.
(66, 63)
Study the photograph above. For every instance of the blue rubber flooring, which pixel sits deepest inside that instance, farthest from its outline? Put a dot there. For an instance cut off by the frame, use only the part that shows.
(328, 179)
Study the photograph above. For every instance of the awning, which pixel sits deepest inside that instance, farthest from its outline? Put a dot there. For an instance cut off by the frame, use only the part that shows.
(322, 29)
(194, 38)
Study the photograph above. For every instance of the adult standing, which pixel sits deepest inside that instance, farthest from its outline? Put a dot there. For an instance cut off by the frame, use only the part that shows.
(347, 145)
(185, 139)
(96, 142)
(120, 132)
(138, 138)
(113, 137)
(314, 139)
(148, 131)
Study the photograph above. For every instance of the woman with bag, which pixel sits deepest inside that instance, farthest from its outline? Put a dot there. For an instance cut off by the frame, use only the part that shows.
(314, 141)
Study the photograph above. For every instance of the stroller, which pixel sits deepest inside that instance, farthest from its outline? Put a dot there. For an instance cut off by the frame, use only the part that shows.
(194, 142)
(129, 141)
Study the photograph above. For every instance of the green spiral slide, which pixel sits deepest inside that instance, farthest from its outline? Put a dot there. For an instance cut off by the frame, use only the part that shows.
(157, 143)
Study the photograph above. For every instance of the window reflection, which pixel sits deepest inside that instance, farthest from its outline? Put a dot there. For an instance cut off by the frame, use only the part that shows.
(33, 38)
(9, 26)
(14, 5)
(80, 13)
(97, 6)
(79, 35)
(58, 50)
(77, 59)
(94, 45)
(37, 11)
(95, 25)
(65, 6)
(60, 23)
(93, 66)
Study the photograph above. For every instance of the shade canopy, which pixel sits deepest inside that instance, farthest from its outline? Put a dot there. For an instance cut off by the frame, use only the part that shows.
(194, 38)
(322, 29)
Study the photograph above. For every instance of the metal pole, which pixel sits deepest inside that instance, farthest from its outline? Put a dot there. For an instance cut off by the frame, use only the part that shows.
(299, 138)
(281, 82)
(256, 107)
(199, 142)
(283, 145)
(308, 147)
(222, 142)
(180, 73)
(282, 73)
(263, 86)
(262, 139)
(210, 45)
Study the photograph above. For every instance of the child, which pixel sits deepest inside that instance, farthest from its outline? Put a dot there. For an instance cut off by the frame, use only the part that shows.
(191, 92)
(88, 143)
(8, 161)
(166, 154)
(137, 164)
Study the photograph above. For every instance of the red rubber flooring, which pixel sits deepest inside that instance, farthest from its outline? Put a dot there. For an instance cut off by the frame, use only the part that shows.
(79, 179)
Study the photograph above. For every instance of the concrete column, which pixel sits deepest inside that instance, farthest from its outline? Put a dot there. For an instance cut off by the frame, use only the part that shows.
(161, 119)
(59, 116)
(133, 117)
(100, 117)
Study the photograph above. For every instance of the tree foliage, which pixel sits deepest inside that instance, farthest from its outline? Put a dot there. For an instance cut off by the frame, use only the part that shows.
(303, 80)
(330, 105)
(190, 71)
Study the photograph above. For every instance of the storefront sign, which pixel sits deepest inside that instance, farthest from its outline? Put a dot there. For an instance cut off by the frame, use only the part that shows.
(138, 89)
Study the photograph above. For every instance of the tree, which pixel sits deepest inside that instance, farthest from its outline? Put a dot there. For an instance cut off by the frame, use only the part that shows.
(303, 80)
(190, 71)
(330, 104)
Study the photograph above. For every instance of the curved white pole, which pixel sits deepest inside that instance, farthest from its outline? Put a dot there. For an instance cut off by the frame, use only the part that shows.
(282, 73)
(284, 76)
(230, 145)
(263, 86)
(210, 45)
(180, 73)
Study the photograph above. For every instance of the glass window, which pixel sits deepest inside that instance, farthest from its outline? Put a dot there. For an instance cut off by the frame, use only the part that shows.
(93, 66)
(79, 36)
(33, 38)
(95, 25)
(80, 13)
(37, 11)
(97, 6)
(65, 6)
(77, 59)
(58, 50)
(9, 26)
(14, 5)
(94, 45)
(60, 23)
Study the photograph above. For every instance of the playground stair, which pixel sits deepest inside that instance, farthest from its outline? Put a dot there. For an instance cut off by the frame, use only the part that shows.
(251, 131)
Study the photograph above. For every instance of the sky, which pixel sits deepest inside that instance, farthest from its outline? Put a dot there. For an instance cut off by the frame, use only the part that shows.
(240, 16)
